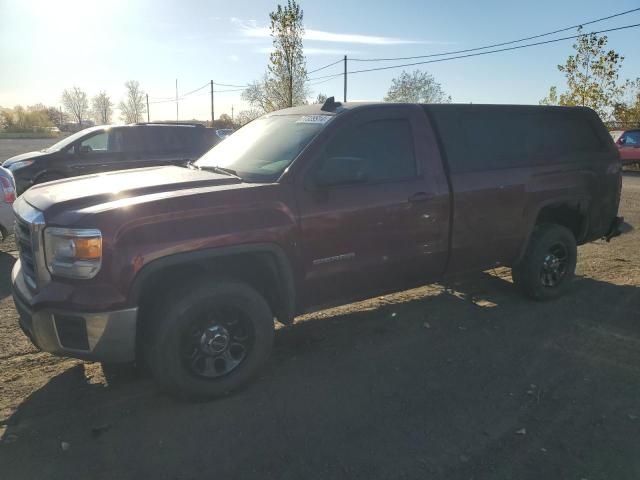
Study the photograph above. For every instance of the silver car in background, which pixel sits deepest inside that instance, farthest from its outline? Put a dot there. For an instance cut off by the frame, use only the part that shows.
(7, 197)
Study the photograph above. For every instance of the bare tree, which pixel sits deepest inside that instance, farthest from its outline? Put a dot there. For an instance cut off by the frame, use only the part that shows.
(133, 107)
(76, 104)
(102, 108)
(321, 98)
(247, 116)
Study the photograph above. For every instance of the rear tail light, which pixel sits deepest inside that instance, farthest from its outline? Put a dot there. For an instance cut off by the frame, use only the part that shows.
(9, 191)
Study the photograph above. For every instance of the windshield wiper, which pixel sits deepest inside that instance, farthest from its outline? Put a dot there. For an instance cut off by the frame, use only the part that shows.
(216, 169)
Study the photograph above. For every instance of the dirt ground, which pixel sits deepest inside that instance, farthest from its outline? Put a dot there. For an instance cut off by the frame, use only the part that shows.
(15, 146)
(466, 382)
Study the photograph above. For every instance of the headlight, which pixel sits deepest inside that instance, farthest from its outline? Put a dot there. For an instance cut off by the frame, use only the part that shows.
(19, 165)
(73, 253)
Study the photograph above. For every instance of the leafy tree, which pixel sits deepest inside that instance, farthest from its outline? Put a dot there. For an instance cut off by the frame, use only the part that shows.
(76, 104)
(627, 112)
(133, 107)
(592, 75)
(57, 117)
(102, 110)
(224, 121)
(416, 87)
(284, 83)
(551, 98)
(20, 119)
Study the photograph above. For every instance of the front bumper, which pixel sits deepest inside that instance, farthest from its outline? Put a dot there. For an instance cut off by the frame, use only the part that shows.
(98, 336)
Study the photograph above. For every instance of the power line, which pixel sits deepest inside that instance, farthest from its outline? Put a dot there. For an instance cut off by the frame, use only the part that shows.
(332, 77)
(230, 85)
(196, 90)
(326, 66)
(477, 54)
(496, 44)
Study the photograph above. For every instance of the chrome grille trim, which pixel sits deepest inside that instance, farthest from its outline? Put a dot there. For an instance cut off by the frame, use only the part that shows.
(28, 230)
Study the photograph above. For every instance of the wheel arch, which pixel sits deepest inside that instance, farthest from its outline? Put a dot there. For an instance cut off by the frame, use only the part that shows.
(570, 212)
(264, 266)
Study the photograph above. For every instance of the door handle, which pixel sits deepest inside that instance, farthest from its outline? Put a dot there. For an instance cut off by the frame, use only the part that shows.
(419, 197)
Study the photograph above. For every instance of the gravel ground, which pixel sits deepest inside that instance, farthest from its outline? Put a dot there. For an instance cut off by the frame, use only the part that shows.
(467, 380)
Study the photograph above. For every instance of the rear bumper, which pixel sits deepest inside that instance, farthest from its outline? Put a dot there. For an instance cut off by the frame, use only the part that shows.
(99, 336)
(615, 229)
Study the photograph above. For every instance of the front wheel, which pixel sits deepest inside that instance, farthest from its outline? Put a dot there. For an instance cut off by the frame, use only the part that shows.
(210, 340)
(549, 264)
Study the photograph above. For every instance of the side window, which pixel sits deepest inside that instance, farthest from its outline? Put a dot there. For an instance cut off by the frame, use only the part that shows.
(132, 140)
(631, 138)
(164, 140)
(95, 143)
(375, 151)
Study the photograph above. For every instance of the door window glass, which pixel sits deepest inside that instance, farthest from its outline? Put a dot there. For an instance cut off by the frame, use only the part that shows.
(380, 150)
(96, 143)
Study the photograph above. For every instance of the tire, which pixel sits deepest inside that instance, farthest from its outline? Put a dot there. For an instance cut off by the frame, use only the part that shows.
(549, 264)
(209, 340)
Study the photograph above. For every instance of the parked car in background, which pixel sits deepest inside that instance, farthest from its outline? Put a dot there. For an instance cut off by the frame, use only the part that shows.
(224, 132)
(628, 143)
(7, 197)
(186, 268)
(105, 148)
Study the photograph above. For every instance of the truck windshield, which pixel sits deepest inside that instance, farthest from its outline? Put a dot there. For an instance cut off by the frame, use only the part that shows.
(263, 149)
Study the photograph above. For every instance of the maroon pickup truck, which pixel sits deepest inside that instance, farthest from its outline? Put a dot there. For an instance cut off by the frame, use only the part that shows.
(186, 268)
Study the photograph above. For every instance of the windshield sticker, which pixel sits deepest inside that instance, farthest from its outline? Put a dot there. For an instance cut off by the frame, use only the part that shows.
(321, 119)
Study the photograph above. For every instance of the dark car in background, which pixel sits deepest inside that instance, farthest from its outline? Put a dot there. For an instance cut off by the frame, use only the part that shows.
(105, 148)
(628, 143)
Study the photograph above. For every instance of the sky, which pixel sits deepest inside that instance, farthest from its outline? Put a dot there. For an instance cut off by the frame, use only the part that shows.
(49, 45)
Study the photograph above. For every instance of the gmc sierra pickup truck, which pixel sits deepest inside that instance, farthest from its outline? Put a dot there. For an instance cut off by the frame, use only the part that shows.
(185, 269)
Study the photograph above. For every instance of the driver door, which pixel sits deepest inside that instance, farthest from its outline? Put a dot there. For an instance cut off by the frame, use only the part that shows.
(373, 208)
(95, 153)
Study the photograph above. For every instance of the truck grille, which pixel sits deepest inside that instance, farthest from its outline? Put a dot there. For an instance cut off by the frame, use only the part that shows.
(25, 247)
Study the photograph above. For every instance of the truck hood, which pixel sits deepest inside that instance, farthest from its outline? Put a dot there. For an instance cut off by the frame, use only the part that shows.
(91, 190)
(23, 156)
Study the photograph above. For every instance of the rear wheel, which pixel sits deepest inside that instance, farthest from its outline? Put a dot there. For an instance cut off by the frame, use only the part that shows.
(210, 340)
(549, 264)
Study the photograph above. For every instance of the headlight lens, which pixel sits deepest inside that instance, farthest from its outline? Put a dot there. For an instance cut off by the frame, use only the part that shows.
(19, 165)
(73, 253)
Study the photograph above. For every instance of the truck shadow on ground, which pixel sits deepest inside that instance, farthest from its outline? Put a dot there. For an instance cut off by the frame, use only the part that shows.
(440, 375)
(6, 264)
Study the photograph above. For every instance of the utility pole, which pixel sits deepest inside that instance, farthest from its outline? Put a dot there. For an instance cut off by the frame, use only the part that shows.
(231, 113)
(176, 100)
(148, 121)
(213, 116)
(61, 117)
(345, 78)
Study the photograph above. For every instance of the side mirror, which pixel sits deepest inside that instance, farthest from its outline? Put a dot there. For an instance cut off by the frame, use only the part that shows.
(85, 149)
(336, 171)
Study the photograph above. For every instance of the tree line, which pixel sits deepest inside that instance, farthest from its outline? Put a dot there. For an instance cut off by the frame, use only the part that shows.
(78, 111)
(592, 75)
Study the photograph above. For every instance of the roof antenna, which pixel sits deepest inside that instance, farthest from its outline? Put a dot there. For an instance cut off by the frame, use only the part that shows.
(330, 105)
